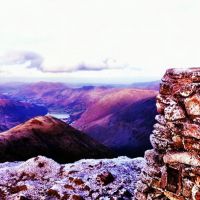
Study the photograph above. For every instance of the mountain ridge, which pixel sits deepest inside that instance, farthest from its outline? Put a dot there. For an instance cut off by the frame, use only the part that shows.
(50, 137)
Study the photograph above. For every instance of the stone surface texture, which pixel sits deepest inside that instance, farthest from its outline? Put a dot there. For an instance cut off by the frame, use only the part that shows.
(41, 178)
(172, 169)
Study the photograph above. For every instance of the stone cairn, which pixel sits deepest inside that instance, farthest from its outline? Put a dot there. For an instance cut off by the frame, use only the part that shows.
(172, 169)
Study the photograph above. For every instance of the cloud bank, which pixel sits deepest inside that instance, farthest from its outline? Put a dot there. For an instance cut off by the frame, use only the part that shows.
(35, 60)
(30, 59)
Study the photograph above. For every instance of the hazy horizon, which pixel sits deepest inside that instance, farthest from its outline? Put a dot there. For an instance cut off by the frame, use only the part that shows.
(77, 83)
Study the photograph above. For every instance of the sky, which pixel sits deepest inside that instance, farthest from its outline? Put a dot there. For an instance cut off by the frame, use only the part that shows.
(97, 41)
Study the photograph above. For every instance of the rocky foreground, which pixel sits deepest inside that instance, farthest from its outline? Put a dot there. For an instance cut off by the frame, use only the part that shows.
(42, 178)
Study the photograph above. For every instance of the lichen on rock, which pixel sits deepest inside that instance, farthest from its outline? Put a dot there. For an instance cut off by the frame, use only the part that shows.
(173, 166)
(43, 178)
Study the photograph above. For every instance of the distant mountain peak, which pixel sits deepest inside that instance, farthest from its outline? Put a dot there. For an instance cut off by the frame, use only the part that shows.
(48, 136)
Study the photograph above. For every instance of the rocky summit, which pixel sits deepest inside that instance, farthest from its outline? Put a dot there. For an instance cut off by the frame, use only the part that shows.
(41, 178)
(172, 169)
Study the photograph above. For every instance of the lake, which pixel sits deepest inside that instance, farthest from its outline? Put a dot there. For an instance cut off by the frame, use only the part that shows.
(59, 115)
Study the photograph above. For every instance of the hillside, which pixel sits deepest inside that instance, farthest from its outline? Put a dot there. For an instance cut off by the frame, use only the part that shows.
(120, 121)
(14, 112)
(57, 97)
(107, 114)
(50, 137)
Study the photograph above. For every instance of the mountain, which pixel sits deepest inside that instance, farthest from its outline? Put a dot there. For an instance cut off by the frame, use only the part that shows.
(57, 97)
(43, 178)
(14, 112)
(121, 120)
(50, 137)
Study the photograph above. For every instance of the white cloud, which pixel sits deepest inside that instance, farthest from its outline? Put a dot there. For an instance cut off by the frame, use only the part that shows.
(149, 35)
(33, 60)
(28, 58)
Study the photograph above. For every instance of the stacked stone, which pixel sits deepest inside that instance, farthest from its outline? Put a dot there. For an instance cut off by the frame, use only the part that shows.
(172, 168)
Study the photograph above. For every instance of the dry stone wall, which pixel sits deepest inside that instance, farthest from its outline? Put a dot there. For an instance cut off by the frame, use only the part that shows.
(172, 169)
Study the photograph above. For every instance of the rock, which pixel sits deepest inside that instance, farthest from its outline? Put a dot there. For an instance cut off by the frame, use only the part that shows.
(160, 119)
(177, 141)
(142, 187)
(191, 144)
(172, 196)
(187, 185)
(152, 157)
(182, 157)
(162, 101)
(160, 107)
(165, 88)
(191, 130)
(195, 193)
(76, 197)
(158, 143)
(187, 90)
(173, 166)
(174, 112)
(43, 178)
(192, 105)
(16, 189)
(140, 195)
(105, 178)
(53, 193)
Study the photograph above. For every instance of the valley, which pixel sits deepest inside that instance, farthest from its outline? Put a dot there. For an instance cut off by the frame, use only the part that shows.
(115, 117)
